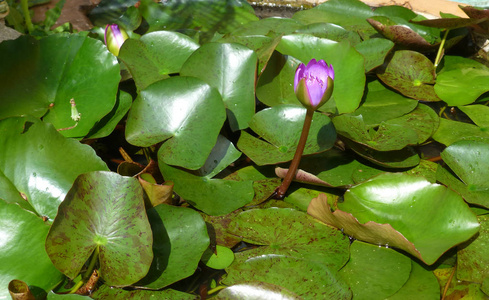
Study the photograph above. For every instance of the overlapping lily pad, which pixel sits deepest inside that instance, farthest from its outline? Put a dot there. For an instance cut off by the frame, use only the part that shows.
(177, 249)
(450, 131)
(183, 112)
(106, 211)
(230, 68)
(402, 211)
(156, 55)
(50, 164)
(280, 127)
(375, 272)
(472, 259)
(412, 74)
(348, 65)
(467, 159)
(461, 81)
(22, 247)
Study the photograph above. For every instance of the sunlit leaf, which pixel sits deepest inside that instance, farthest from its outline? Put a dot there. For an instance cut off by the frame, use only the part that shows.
(183, 112)
(39, 164)
(107, 292)
(280, 127)
(22, 250)
(412, 74)
(348, 65)
(230, 68)
(404, 212)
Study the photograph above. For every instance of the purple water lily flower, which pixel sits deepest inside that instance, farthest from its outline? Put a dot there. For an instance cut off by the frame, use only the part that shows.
(114, 38)
(313, 83)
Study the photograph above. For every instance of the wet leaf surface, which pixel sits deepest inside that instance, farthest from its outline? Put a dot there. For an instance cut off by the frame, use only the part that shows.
(375, 272)
(372, 212)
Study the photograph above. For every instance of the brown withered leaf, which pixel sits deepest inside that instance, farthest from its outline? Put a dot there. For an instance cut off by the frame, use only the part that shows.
(371, 232)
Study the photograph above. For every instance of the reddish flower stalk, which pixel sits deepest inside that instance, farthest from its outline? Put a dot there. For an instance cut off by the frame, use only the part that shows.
(313, 86)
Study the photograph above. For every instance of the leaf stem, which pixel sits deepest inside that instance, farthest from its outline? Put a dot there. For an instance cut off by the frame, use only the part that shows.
(27, 16)
(88, 273)
(282, 189)
(440, 49)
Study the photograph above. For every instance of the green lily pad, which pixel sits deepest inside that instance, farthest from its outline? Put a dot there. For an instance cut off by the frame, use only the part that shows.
(213, 196)
(450, 131)
(107, 292)
(221, 259)
(374, 51)
(290, 233)
(276, 85)
(468, 161)
(50, 164)
(415, 81)
(472, 257)
(155, 55)
(348, 65)
(350, 14)
(423, 121)
(280, 127)
(177, 249)
(106, 211)
(309, 279)
(22, 247)
(387, 137)
(404, 158)
(272, 27)
(375, 272)
(183, 112)
(422, 284)
(330, 31)
(333, 168)
(105, 126)
(402, 211)
(230, 68)
(222, 16)
(252, 290)
(264, 47)
(478, 113)
(40, 77)
(382, 104)
(461, 81)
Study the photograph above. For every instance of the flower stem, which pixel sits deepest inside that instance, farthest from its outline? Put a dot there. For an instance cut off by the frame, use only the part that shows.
(89, 271)
(25, 9)
(282, 189)
(440, 49)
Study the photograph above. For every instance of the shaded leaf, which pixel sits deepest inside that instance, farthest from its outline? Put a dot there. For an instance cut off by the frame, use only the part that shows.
(177, 249)
(54, 70)
(472, 257)
(422, 284)
(107, 292)
(404, 158)
(102, 210)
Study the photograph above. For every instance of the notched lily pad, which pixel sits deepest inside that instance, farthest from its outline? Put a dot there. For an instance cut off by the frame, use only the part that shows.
(412, 74)
(402, 211)
(103, 210)
(280, 127)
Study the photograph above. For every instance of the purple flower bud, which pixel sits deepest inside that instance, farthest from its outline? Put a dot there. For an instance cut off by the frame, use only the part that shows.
(313, 83)
(114, 38)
